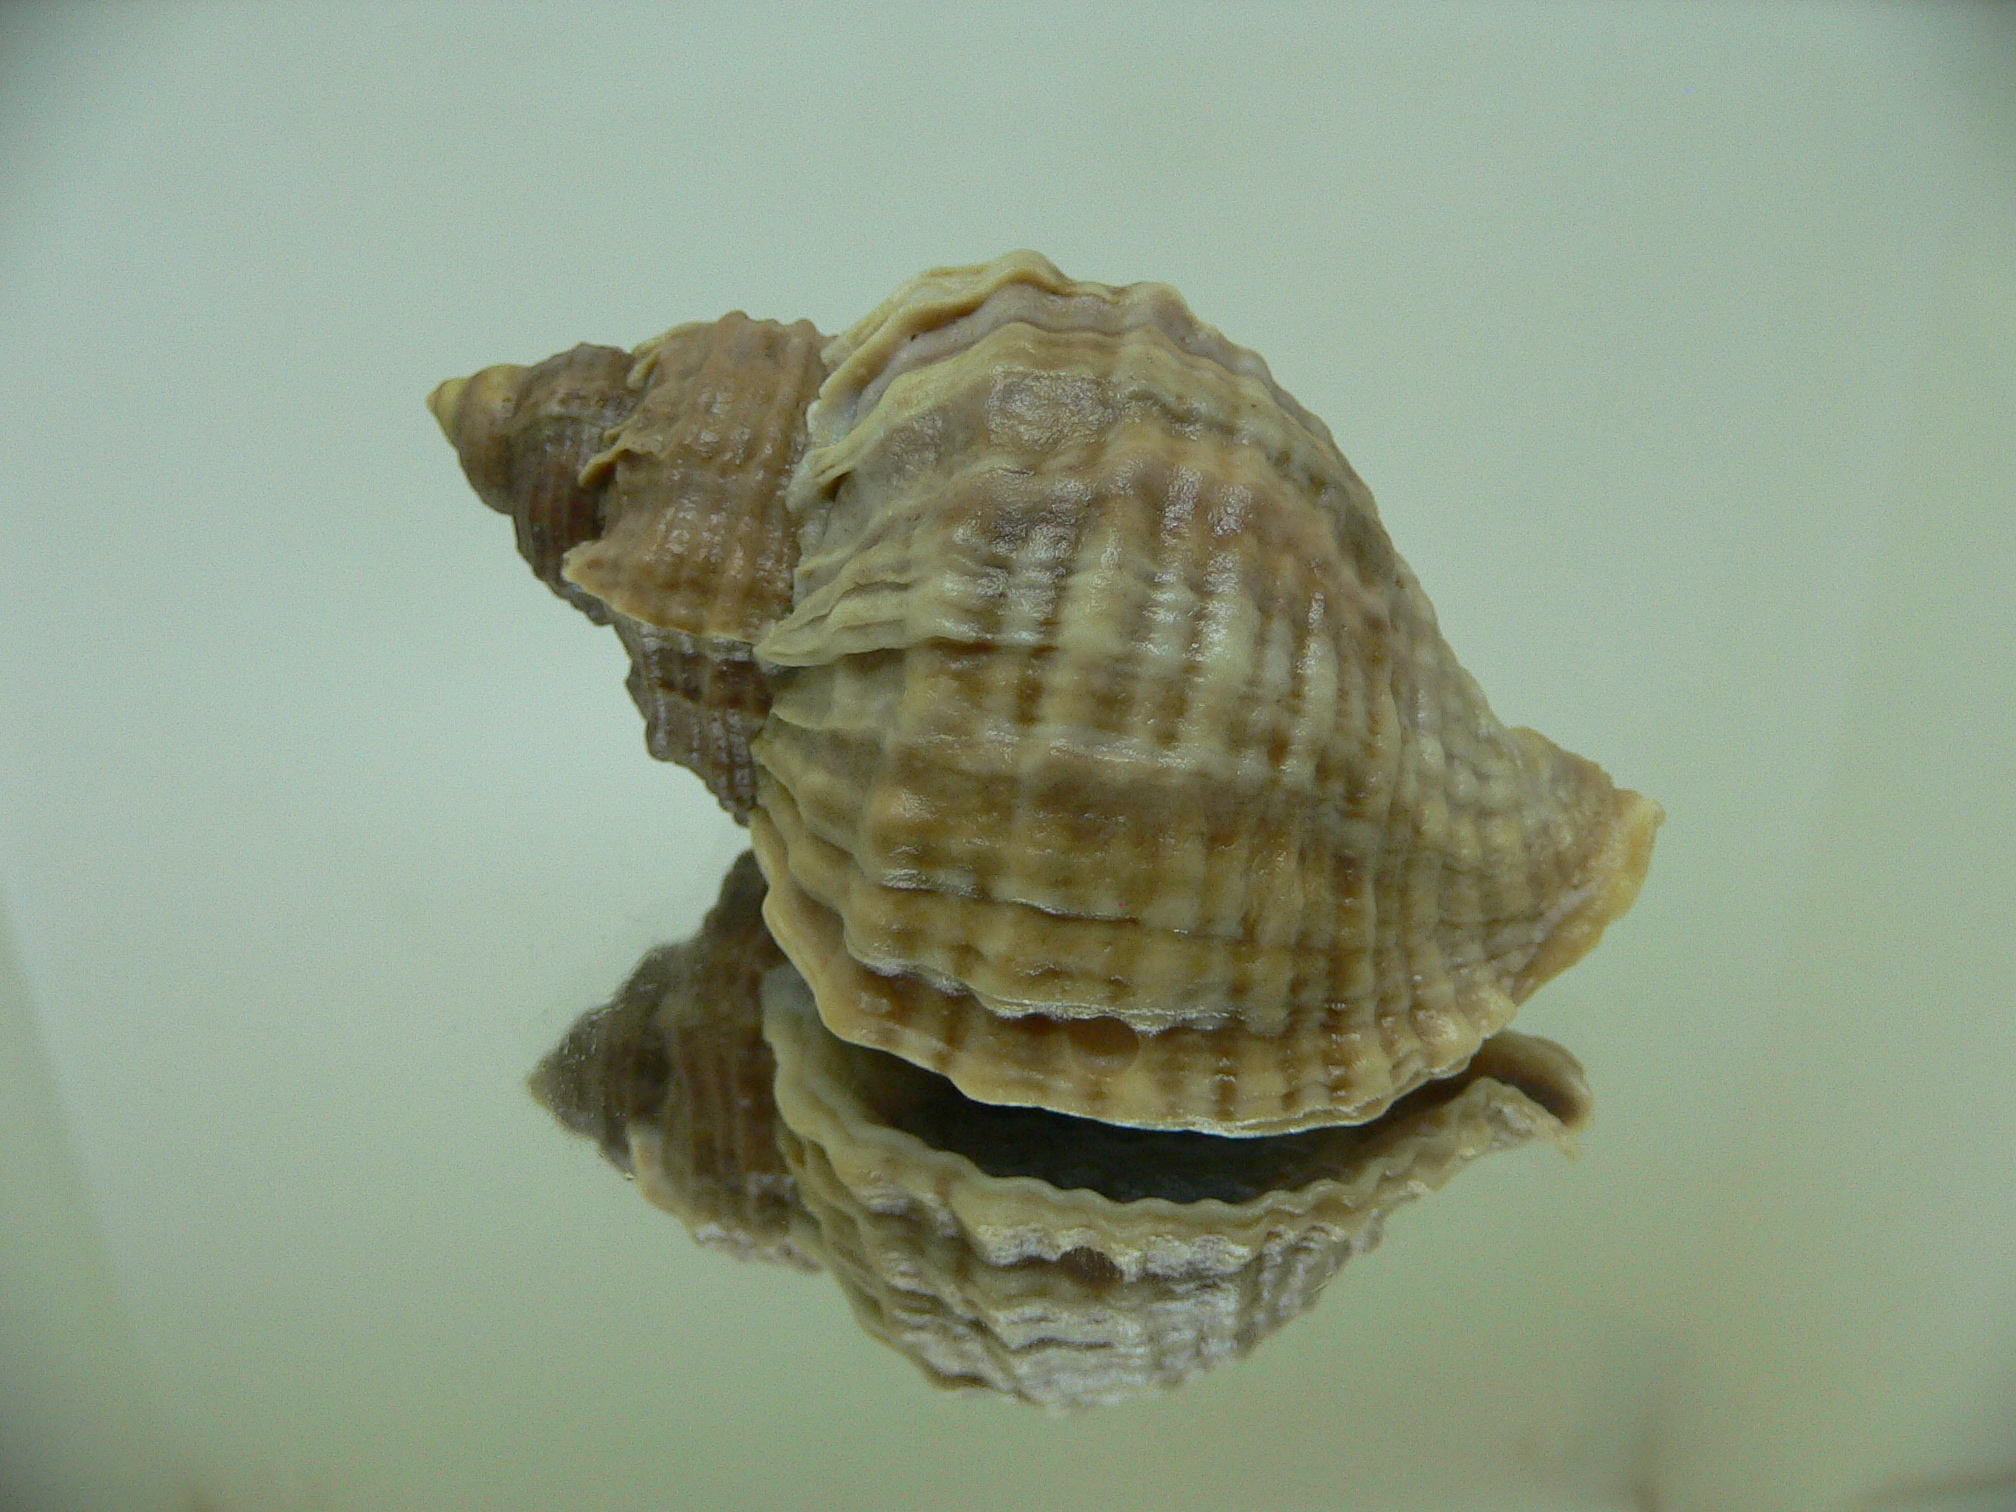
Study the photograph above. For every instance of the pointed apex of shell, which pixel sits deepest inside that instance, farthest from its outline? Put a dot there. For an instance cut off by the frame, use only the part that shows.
(445, 404)
(470, 411)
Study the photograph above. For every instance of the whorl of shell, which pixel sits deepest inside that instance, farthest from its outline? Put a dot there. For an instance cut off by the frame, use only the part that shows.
(1114, 762)
(646, 488)
(1071, 1263)
(672, 1079)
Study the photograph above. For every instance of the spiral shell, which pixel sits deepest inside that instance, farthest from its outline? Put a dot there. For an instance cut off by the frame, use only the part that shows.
(646, 488)
(1070, 1263)
(1106, 756)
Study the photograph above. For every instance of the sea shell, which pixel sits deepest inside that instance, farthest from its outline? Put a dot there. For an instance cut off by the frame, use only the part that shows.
(1108, 758)
(1070, 1263)
(645, 488)
(672, 1079)
(1012, 1250)
(1123, 749)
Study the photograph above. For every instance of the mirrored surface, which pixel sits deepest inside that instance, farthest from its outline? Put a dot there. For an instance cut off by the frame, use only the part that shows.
(1676, 346)
(1036, 1255)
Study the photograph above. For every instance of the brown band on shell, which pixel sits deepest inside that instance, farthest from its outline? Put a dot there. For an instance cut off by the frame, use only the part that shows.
(523, 435)
(695, 536)
(701, 709)
(647, 489)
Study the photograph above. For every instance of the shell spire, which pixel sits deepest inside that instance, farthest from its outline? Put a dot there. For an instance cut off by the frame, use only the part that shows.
(647, 490)
(522, 435)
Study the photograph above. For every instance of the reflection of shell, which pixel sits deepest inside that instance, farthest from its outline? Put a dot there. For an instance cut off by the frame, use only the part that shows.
(646, 488)
(1108, 757)
(1015, 1250)
(672, 1080)
(1071, 1263)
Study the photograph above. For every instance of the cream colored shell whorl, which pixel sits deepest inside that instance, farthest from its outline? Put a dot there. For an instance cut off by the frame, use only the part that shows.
(1114, 762)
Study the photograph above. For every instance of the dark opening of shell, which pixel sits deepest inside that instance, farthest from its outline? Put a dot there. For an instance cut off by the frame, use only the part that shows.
(1176, 1165)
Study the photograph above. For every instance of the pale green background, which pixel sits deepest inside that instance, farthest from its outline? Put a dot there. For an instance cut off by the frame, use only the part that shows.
(1679, 344)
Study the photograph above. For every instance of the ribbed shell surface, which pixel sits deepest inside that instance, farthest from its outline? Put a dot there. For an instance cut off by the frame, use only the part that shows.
(692, 538)
(1064, 1295)
(524, 434)
(1114, 761)
(1100, 751)
(647, 488)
